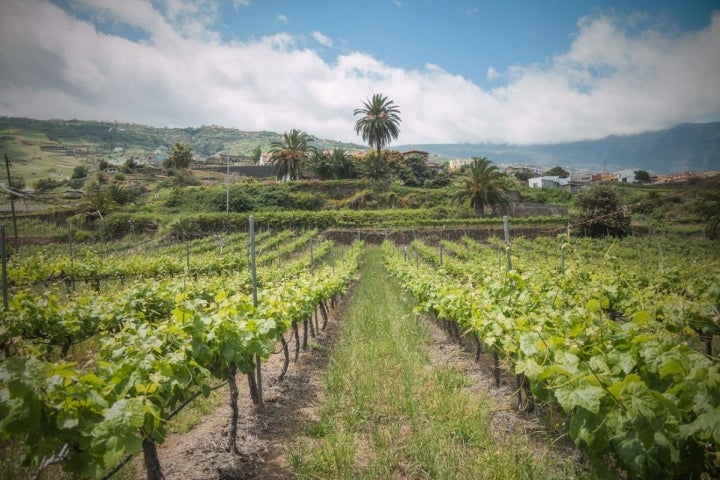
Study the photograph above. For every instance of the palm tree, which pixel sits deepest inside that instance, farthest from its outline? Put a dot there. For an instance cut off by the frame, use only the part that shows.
(287, 156)
(318, 165)
(341, 164)
(482, 185)
(373, 167)
(379, 123)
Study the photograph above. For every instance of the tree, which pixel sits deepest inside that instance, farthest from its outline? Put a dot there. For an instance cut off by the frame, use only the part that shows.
(319, 166)
(523, 176)
(180, 157)
(288, 156)
(557, 172)
(379, 123)
(642, 176)
(341, 164)
(79, 172)
(483, 184)
(373, 167)
(709, 210)
(130, 165)
(601, 213)
(256, 154)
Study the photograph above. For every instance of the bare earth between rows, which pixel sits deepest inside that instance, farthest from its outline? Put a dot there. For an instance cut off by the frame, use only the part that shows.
(265, 439)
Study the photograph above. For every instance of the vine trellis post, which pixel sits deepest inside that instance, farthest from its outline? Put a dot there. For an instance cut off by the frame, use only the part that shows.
(253, 276)
(506, 228)
(12, 204)
(3, 254)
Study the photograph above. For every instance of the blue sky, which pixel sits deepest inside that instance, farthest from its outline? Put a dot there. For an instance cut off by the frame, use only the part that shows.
(533, 71)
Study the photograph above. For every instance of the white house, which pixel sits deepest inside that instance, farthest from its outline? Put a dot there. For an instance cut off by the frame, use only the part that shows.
(625, 176)
(548, 182)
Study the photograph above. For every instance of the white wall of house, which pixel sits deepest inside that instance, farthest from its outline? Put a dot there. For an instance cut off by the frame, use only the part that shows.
(547, 182)
(625, 176)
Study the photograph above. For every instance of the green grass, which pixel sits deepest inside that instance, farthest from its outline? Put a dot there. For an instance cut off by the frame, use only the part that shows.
(389, 413)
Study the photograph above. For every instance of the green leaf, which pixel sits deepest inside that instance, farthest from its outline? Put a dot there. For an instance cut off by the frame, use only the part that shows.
(588, 430)
(67, 419)
(623, 360)
(640, 317)
(585, 396)
(529, 367)
(671, 368)
(705, 427)
(593, 305)
(528, 343)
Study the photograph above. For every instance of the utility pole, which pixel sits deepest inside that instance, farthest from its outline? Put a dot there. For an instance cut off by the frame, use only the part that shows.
(227, 188)
(12, 203)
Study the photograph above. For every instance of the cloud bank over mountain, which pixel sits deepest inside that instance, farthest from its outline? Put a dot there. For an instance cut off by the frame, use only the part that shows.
(133, 61)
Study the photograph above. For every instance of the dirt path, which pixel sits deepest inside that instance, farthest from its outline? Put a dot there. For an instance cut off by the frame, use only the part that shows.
(507, 419)
(200, 454)
(264, 438)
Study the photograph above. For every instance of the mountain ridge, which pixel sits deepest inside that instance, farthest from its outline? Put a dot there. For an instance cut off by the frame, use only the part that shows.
(685, 147)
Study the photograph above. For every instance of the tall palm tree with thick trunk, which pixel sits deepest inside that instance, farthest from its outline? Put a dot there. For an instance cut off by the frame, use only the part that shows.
(483, 184)
(288, 156)
(379, 123)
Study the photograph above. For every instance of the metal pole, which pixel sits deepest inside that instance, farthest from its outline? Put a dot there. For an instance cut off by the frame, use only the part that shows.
(312, 257)
(227, 188)
(187, 254)
(253, 271)
(253, 276)
(12, 203)
(3, 254)
(506, 228)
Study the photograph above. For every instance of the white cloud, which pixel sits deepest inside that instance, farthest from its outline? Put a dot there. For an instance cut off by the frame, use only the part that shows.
(322, 39)
(282, 18)
(609, 81)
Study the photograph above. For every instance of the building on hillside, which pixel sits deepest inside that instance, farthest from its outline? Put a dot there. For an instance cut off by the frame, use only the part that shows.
(265, 159)
(574, 186)
(602, 177)
(675, 177)
(160, 153)
(625, 176)
(458, 163)
(551, 181)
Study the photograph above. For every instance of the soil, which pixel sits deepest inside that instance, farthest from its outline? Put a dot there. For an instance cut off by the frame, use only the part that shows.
(264, 438)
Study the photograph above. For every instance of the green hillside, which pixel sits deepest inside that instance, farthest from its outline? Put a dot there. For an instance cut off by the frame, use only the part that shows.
(45, 147)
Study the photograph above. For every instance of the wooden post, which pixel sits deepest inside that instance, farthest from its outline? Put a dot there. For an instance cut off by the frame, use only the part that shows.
(12, 203)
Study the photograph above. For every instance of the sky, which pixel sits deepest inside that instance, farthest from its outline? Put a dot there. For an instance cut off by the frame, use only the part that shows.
(459, 71)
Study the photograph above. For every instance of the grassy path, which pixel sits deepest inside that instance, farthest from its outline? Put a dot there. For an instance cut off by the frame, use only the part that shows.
(390, 411)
